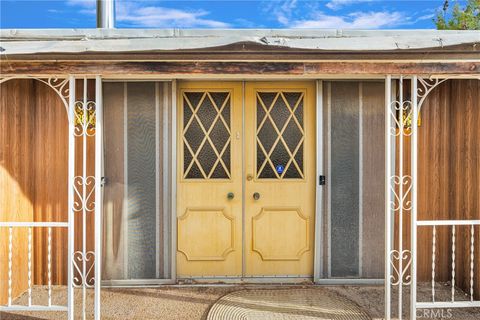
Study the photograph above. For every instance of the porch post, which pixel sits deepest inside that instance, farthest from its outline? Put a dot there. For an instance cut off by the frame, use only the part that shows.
(413, 225)
(98, 191)
(388, 194)
(173, 183)
(71, 177)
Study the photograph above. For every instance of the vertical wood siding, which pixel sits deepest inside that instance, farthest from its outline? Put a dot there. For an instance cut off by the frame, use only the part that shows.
(33, 180)
(449, 178)
(16, 185)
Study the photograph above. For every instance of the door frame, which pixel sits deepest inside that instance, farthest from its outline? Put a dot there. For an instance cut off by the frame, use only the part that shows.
(318, 257)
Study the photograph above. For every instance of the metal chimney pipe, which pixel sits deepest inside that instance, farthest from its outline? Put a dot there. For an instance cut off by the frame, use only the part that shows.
(105, 14)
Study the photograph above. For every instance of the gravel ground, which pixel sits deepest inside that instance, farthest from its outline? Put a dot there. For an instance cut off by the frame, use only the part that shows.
(194, 302)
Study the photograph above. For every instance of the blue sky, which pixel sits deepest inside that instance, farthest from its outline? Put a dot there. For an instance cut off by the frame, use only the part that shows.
(358, 14)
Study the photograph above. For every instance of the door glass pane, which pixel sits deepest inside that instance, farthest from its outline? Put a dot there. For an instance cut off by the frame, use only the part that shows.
(136, 221)
(280, 135)
(206, 135)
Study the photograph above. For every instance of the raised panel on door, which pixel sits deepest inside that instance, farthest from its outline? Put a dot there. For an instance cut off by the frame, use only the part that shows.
(280, 179)
(209, 220)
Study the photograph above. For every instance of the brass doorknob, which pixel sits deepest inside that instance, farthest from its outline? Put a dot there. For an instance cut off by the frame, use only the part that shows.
(230, 195)
(256, 196)
(249, 177)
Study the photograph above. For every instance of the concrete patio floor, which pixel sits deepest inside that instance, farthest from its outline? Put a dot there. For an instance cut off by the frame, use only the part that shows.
(193, 302)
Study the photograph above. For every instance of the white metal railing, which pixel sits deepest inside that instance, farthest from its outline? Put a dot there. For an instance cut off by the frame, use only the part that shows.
(30, 306)
(470, 224)
(85, 119)
(401, 198)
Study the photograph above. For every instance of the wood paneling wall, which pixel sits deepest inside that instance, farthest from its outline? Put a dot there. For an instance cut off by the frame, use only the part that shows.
(464, 169)
(33, 178)
(49, 175)
(16, 185)
(449, 178)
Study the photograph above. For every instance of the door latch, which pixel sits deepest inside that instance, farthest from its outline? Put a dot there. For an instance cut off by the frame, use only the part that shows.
(321, 180)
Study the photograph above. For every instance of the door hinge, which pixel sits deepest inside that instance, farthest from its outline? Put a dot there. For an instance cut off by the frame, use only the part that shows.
(321, 180)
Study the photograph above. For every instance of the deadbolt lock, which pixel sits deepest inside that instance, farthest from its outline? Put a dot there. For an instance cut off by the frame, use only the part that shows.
(230, 195)
(256, 196)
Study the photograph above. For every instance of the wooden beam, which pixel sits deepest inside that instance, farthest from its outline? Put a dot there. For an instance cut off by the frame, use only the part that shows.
(234, 53)
(305, 69)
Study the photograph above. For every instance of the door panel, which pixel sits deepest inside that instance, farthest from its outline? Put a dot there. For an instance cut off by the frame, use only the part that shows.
(209, 173)
(280, 178)
(279, 163)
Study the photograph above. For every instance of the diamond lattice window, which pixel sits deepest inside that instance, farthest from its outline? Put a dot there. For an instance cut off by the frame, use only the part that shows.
(280, 135)
(206, 135)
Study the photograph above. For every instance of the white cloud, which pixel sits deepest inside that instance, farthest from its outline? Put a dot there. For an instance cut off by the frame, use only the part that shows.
(83, 3)
(161, 17)
(355, 20)
(285, 10)
(282, 11)
(425, 17)
(338, 4)
(288, 14)
(87, 7)
(138, 14)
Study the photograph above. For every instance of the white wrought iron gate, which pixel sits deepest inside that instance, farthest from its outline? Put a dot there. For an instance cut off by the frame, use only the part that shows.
(402, 114)
(84, 110)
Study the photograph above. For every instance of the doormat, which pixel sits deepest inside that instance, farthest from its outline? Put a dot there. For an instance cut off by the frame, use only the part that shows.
(264, 304)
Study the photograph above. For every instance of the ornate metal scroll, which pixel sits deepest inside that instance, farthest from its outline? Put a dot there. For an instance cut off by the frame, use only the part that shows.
(59, 85)
(401, 122)
(84, 195)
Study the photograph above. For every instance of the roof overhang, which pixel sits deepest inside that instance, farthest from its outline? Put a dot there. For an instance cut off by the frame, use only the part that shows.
(23, 42)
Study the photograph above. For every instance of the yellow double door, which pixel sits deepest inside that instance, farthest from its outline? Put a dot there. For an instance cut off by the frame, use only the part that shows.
(246, 179)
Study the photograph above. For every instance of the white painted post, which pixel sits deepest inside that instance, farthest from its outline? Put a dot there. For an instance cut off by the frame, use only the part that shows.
(318, 266)
(413, 195)
(71, 177)
(173, 182)
(83, 179)
(98, 191)
(388, 194)
(400, 196)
